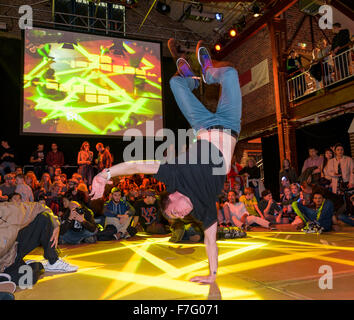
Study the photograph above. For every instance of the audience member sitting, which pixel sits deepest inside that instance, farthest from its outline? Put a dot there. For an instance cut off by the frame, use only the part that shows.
(77, 223)
(250, 202)
(118, 213)
(186, 229)
(270, 210)
(37, 159)
(18, 170)
(286, 202)
(63, 179)
(7, 157)
(28, 226)
(32, 182)
(295, 190)
(149, 212)
(224, 192)
(239, 215)
(348, 216)
(53, 198)
(253, 175)
(55, 159)
(45, 182)
(78, 195)
(316, 219)
(285, 183)
(15, 197)
(23, 189)
(8, 187)
(237, 189)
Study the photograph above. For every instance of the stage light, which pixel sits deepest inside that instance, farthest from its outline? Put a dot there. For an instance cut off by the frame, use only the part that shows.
(219, 16)
(256, 11)
(163, 7)
(232, 32)
(217, 47)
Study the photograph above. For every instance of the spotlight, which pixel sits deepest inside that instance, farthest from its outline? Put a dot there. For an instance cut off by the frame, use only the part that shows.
(256, 11)
(163, 7)
(232, 32)
(219, 16)
(217, 47)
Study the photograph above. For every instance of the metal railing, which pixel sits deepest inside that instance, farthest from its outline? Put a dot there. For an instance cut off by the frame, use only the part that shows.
(321, 74)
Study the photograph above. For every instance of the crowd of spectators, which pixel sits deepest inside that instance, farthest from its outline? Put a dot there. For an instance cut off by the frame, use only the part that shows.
(314, 201)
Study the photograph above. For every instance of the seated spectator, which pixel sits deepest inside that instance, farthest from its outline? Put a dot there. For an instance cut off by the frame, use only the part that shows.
(149, 212)
(295, 190)
(15, 197)
(251, 204)
(77, 223)
(18, 170)
(320, 215)
(63, 179)
(8, 187)
(288, 172)
(285, 183)
(37, 159)
(234, 174)
(286, 202)
(31, 180)
(186, 229)
(53, 198)
(57, 172)
(23, 189)
(82, 185)
(269, 208)
(45, 182)
(28, 226)
(239, 215)
(78, 195)
(118, 213)
(224, 192)
(237, 189)
(348, 216)
(252, 176)
(54, 159)
(7, 158)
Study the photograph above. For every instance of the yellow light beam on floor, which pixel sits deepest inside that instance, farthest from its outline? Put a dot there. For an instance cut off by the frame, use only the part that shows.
(323, 246)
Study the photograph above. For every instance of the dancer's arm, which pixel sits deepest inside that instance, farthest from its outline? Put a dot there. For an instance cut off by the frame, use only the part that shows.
(212, 252)
(122, 169)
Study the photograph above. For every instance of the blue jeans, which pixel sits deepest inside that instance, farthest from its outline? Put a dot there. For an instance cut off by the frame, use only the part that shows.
(74, 237)
(308, 214)
(346, 219)
(229, 110)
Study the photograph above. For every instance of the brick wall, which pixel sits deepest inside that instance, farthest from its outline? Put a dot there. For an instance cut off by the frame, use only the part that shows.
(259, 103)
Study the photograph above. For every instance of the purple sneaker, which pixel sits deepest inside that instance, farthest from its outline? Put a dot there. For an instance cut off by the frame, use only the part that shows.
(184, 69)
(203, 58)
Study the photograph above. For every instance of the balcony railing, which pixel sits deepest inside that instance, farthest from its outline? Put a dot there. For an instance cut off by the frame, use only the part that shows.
(328, 71)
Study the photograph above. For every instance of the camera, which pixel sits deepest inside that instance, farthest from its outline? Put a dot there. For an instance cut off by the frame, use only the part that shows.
(80, 210)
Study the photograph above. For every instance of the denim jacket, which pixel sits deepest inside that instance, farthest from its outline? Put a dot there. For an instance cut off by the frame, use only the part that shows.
(112, 210)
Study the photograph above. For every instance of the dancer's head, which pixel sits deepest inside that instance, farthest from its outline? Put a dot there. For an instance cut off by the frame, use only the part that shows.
(175, 205)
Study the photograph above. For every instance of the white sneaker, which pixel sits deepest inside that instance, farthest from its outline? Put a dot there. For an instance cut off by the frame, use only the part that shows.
(60, 266)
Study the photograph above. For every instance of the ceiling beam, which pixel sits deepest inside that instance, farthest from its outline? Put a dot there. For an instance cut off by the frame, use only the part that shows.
(258, 25)
(343, 8)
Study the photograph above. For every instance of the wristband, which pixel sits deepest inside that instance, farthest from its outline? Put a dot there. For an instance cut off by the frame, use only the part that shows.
(108, 174)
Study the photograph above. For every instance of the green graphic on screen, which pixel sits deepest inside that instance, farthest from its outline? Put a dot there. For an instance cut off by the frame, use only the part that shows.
(77, 83)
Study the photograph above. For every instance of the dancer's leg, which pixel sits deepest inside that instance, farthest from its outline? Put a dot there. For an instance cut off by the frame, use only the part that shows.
(194, 111)
(229, 109)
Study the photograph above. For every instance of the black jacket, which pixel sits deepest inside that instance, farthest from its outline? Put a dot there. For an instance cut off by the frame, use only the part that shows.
(88, 224)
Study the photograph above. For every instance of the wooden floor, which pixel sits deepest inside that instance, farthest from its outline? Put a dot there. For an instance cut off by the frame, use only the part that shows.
(265, 265)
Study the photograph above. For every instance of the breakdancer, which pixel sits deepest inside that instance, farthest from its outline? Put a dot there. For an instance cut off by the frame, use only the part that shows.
(196, 177)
